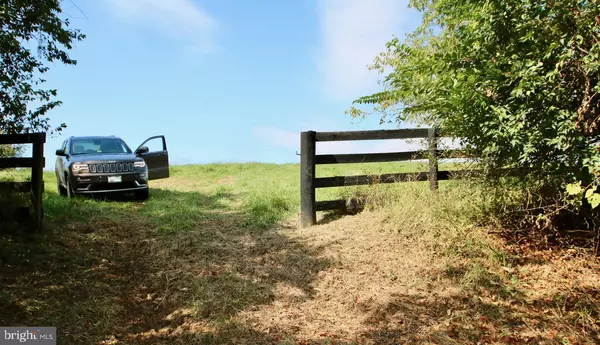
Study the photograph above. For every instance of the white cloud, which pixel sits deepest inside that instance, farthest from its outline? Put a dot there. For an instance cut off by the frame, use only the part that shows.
(181, 19)
(352, 33)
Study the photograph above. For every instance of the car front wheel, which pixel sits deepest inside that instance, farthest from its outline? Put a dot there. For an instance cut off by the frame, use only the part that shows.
(62, 191)
(69, 190)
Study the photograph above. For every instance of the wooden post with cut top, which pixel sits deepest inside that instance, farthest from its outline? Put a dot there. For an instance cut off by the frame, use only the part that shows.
(308, 212)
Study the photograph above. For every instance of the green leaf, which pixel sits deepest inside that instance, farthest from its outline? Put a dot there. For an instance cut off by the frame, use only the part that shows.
(594, 200)
(588, 193)
(574, 188)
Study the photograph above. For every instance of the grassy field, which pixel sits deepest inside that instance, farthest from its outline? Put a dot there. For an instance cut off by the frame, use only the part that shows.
(215, 256)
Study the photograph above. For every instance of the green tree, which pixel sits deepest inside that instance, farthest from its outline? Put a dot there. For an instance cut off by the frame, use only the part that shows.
(516, 80)
(32, 34)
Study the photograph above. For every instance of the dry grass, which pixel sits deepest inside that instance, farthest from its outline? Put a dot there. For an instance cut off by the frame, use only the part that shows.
(419, 272)
(212, 259)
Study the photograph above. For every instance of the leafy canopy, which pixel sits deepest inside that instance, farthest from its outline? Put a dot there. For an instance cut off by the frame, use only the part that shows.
(32, 34)
(517, 80)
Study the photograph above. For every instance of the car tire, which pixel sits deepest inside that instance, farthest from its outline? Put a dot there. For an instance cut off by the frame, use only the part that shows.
(142, 194)
(61, 190)
(68, 188)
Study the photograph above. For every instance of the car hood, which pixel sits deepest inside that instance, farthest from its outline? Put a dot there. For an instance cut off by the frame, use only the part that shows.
(105, 158)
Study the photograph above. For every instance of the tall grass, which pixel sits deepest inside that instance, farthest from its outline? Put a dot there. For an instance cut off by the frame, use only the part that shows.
(446, 222)
(413, 208)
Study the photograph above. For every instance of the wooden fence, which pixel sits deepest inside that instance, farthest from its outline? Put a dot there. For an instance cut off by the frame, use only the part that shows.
(36, 162)
(309, 159)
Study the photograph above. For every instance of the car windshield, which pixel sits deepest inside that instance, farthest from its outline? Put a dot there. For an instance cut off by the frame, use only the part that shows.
(100, 145)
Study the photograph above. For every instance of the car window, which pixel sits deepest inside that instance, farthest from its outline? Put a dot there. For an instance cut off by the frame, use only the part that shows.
(154, 145)
(101, 145)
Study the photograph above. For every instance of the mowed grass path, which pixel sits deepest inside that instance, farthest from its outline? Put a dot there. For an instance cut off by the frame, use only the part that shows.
(215, 256)
(206, 245)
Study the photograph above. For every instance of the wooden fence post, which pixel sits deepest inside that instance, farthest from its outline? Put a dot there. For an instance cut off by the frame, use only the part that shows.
(433, 158)
(308, 213)
(37, 186)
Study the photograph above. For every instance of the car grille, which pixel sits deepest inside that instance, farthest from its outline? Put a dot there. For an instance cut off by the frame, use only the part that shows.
(111, 167)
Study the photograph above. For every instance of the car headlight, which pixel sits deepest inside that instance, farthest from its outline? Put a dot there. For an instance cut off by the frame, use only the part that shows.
(80, 167)
(139, 164)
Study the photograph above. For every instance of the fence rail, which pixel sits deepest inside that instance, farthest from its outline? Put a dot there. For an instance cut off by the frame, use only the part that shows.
(36, 162)
(411, 133)
(309, 160)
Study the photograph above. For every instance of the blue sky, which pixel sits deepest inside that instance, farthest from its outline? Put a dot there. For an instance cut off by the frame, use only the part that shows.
(224, 80)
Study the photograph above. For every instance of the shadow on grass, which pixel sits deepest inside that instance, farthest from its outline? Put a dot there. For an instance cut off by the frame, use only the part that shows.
(431, 318)
(479, 318)
(480, 307)
(330, 216)
(115, 271)
(483, 307)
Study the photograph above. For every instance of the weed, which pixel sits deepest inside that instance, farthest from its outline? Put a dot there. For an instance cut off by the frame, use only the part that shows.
(476, 276)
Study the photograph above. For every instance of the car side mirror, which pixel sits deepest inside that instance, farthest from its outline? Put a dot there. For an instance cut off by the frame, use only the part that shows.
(60, 152)
(141, 150)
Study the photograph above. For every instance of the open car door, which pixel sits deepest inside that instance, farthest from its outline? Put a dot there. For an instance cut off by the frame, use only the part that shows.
(156, 159)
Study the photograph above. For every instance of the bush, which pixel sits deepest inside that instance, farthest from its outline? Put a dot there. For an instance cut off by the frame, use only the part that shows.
(518, 83)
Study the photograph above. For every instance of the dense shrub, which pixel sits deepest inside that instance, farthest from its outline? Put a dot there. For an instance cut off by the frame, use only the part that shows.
(517, 81)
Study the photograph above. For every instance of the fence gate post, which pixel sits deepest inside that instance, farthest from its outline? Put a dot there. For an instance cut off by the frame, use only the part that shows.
(37, 184)
(308, 213)
(433, 158)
